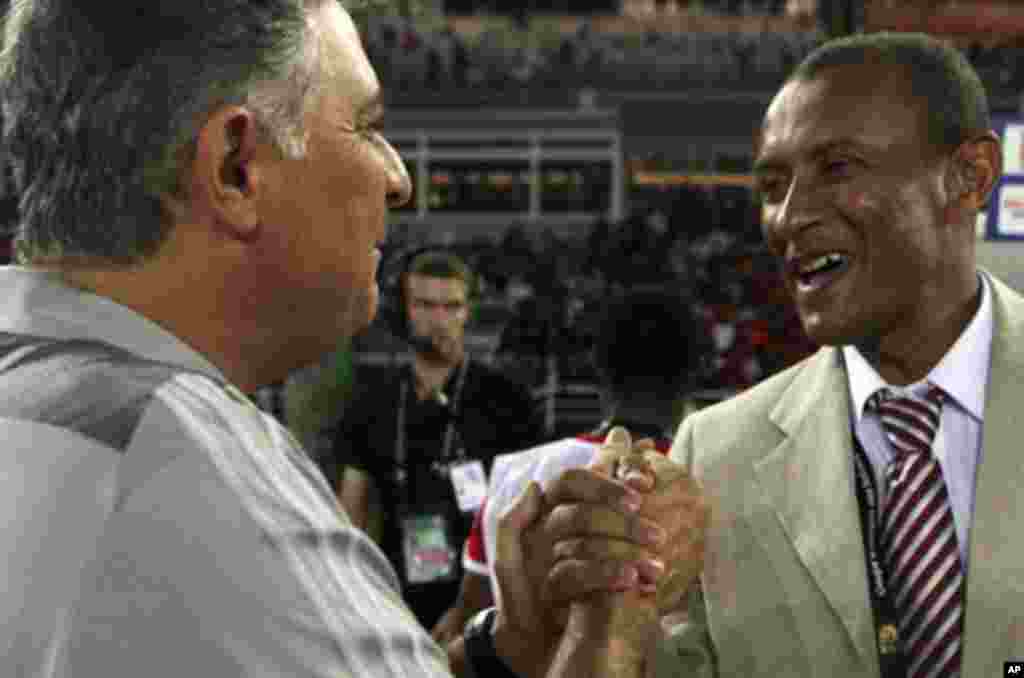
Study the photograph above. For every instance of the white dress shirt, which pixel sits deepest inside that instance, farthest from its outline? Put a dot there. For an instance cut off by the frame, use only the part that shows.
(963, 375)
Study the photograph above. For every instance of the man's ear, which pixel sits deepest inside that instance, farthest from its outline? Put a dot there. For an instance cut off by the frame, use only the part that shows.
(227, 174)
(976, 167)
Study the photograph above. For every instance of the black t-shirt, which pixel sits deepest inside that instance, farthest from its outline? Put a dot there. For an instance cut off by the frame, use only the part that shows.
(494, 415)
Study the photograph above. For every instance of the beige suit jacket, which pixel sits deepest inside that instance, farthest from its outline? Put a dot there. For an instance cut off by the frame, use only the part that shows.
(785, 589)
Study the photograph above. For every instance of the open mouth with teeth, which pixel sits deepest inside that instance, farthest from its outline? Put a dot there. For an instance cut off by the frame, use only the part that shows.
(822, 270)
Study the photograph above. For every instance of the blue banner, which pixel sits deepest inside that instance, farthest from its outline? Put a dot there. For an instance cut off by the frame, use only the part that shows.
(1004, 219)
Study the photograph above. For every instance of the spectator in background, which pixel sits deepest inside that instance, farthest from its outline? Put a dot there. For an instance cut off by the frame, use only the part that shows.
(517, 252)
(435, 70)
(417, 441)
(453, 55)
(533, 331)
(381, 50)
(650, 349)
(598, 248)
(639, 252)
(460, 61)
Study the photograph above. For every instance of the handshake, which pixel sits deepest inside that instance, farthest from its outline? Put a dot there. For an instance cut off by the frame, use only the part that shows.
(609, 550)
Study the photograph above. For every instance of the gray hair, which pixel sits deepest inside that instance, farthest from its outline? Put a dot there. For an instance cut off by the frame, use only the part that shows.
(102, 103)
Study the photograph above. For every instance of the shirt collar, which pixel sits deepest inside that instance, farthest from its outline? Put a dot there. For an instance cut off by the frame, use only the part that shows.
(38, 302)
(962, 373)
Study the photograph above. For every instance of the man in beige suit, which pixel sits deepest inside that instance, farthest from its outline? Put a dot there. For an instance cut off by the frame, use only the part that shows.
(873, 162)
(864, 502)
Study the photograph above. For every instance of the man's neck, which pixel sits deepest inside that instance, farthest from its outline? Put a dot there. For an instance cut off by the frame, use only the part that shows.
(431, 376)
(903, 360)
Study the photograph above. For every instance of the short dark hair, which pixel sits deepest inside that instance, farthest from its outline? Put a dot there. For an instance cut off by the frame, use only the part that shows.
(956, 105)
(102, 102)
(442, 264)
(650, 342)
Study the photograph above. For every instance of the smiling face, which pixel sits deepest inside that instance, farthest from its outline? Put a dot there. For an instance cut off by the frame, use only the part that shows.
(854, 201)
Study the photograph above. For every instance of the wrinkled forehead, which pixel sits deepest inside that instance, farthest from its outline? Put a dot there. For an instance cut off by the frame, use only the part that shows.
(868, 104)
(344, 60)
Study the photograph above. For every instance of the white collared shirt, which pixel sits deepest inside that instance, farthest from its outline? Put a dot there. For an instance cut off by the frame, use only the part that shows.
(963, 375)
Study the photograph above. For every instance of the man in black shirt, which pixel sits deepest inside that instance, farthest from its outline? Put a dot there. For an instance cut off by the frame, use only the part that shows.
(416, 442)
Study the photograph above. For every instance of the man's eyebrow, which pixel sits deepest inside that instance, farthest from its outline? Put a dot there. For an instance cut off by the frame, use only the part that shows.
(770, 163)
(842, 144)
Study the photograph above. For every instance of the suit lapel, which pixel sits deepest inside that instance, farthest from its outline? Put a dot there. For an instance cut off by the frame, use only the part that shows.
(808, 479)
(994, 616)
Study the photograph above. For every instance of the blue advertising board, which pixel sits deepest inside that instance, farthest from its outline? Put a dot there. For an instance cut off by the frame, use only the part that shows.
(1005, 215)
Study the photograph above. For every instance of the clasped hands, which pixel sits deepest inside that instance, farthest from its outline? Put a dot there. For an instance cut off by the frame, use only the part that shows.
(606, 551)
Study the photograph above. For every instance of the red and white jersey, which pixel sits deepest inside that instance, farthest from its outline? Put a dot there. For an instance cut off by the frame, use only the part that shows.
(510, 475)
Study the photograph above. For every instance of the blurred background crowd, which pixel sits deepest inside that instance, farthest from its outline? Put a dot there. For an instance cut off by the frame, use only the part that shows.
(524, 49)
(568, 150)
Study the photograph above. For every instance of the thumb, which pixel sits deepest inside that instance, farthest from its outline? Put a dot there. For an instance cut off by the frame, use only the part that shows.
(626, 462)
(617, 444)
(620, 439)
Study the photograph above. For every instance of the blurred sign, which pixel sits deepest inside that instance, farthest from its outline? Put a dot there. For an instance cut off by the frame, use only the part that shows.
(1013, 149)
(1005, 214)
(985, 18)
(1011, 210)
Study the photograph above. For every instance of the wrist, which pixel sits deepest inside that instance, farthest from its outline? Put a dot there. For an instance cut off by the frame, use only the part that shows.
(490, 650)
(615, 631)
(527, 655)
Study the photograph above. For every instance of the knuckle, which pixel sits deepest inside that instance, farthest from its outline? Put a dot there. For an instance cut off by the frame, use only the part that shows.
(563, 578)
(568, 548)
(559, 522)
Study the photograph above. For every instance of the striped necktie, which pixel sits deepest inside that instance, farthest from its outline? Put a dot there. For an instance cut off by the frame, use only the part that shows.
(918, 539)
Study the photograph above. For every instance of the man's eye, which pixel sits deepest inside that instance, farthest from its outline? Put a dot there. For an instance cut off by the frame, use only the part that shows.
(838, 168)
(770, 190)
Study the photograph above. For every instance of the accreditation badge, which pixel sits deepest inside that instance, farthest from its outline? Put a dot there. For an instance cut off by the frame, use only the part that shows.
(429, 556)
(888, 639)
(470, 483)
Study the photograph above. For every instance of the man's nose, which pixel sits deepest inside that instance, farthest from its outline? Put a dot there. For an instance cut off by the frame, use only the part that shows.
(399, 186)
(800, 208)
(435, 314)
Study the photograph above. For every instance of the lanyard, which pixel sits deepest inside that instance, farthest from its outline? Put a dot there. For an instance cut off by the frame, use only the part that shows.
(890, 652)
(401, 435)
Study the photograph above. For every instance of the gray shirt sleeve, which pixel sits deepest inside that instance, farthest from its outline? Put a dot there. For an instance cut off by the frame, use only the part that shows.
(226, 555)
(56, 491)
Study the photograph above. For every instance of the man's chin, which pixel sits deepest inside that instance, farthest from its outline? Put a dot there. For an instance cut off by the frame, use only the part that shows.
(822, 332)
(356, 319)
(439, 356)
